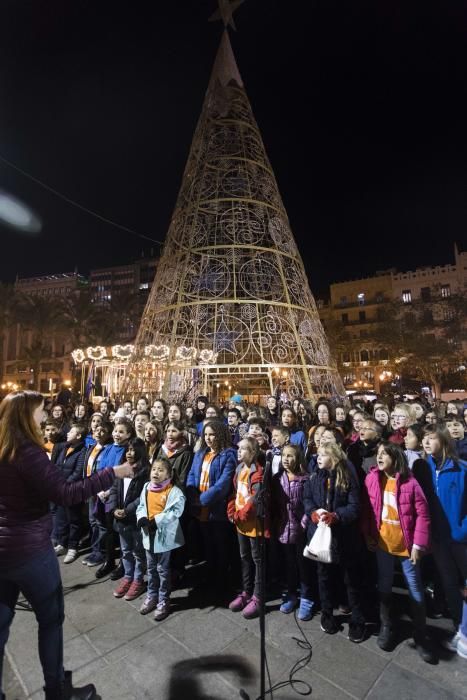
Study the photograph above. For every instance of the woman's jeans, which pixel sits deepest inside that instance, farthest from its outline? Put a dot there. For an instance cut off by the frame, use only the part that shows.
(38, 579)
(133, 556)
(411, 573)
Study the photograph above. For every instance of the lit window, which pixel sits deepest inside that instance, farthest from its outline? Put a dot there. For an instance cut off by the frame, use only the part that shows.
(445, 290)
(361, 298)
(407, 296)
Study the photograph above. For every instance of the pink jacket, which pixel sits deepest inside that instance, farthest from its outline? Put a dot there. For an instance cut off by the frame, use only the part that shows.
(412, 507)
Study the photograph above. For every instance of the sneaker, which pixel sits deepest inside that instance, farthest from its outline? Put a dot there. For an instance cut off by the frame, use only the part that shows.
(240, 602)
(148, 606)
(59, 549)
(135, 590)
(356, 632)
(251, 610)
(162, 611)
(451, 643)
(305, 611)
(385, 639)
(70, 556)
(462, 647)
(329, 623)
(95, 561)
(289, 605)
(123, 587)
(92, 559)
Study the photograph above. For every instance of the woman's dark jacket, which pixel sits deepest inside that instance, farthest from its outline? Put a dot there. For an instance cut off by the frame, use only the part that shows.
(28, 484)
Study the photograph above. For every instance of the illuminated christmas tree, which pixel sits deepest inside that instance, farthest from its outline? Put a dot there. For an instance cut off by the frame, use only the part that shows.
(231, 300)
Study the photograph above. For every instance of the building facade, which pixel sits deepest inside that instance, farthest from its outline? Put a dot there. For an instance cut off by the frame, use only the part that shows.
(358, 308)
(126, 285)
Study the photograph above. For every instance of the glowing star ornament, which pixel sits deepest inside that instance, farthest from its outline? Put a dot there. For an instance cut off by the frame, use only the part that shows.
(225, 12)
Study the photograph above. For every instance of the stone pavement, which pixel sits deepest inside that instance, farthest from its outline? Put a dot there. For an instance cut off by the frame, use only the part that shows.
(130, 657)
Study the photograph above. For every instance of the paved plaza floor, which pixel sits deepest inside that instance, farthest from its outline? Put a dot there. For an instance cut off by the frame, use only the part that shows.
(205, 652)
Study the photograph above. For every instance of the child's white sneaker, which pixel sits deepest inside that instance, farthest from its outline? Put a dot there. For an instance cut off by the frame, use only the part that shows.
(162, 611)
(59, 550)
(462, 646)
(70, 556)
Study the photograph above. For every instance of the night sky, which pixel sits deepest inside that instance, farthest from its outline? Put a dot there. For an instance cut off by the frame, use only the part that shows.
(362, 107)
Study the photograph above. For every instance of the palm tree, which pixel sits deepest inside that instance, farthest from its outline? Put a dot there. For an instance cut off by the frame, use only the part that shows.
(43, 317)
(120, 318)
(8, 308)
(81, 318)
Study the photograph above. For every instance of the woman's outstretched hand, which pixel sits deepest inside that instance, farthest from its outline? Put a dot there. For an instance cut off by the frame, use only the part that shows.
(124, 471)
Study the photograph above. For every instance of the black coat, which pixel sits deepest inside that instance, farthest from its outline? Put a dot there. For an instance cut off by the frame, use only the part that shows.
(131, 500)
(346, 504)
(71, 464)
(181, 462)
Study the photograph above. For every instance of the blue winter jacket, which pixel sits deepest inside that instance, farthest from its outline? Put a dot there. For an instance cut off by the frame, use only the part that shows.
(220, 482)
(297, 437)
(112, 456)
(450, 486)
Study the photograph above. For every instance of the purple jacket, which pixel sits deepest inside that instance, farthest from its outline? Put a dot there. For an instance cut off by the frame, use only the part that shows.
(287, 507)
(27, 485)
(412, 507)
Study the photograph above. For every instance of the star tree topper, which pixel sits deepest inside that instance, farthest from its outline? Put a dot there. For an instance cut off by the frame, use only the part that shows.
(225, 12)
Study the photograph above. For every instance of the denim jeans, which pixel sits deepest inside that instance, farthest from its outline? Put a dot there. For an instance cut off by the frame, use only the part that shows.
(463, 627)
(97, 532)
(250, 562)
(158, 575)
(38, 579)
(451, 562)
(411, 573)
(133, 558)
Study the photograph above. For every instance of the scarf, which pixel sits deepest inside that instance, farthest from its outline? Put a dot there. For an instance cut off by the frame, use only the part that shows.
(159, 487)
(174, 445)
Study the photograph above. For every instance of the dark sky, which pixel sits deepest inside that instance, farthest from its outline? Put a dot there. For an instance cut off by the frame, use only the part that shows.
(362, 107)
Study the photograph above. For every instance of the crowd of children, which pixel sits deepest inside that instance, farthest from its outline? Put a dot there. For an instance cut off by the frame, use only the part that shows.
(209, 482)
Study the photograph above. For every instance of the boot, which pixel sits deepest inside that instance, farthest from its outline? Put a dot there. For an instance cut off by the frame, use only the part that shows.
(385, 639)
(109, 563)
(422, 643)
(66, 691)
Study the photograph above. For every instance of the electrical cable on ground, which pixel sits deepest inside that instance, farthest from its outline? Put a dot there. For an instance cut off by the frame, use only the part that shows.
(304, 688)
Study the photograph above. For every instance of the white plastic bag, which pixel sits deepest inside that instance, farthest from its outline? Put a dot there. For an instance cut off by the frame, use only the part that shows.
(319, 547)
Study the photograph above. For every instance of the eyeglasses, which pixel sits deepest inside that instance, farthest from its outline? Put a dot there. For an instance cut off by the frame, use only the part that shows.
(399, 415)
